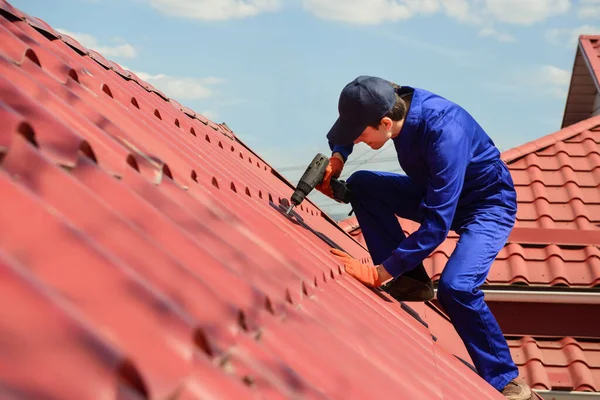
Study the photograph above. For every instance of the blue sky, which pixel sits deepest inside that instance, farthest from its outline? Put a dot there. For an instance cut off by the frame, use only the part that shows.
(273, 69)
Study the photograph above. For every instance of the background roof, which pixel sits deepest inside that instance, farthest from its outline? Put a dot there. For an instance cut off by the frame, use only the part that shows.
(583, 99)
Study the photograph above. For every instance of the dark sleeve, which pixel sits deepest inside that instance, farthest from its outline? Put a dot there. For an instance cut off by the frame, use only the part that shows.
(448, 153)
(345, 151)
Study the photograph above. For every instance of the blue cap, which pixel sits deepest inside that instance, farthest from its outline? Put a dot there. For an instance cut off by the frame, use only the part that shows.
(363, 101)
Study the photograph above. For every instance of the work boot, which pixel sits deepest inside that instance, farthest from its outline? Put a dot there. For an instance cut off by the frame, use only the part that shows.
(516, 391)
(404, 288)
(413, 285)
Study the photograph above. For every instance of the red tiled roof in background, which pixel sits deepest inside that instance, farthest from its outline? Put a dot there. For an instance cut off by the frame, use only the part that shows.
(557, 178)
(565, 364)
(144, 253)
(583, 98)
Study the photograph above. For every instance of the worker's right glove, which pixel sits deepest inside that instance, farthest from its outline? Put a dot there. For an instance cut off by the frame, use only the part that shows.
(333, 170)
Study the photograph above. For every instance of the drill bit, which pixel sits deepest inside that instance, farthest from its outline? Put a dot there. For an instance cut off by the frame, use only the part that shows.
(289, 209)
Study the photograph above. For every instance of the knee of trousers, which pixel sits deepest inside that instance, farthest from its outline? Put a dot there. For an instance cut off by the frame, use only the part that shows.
(361, 184)
(456, 293)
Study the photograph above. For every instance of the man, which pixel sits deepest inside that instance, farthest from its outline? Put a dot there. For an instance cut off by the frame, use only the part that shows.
(455, 180)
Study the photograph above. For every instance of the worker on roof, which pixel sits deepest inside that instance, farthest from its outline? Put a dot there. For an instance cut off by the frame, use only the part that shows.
(455, 180)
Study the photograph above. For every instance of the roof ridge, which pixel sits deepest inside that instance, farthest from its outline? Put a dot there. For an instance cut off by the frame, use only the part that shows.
(515, 153)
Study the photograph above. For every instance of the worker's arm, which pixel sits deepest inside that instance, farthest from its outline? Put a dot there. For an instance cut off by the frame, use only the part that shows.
(448, 153)
(343, 151)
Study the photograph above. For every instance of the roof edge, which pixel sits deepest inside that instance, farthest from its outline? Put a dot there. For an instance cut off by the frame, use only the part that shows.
(586, 51)
(518, 152)
(566, 395)
(589, 55)
(517, 295)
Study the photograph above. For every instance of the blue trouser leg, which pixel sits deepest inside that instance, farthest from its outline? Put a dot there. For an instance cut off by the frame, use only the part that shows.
(460, 296)
(378, 197)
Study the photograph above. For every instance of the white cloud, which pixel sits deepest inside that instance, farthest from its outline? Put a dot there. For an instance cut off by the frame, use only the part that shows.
(461, 10)
(501, 37)
(215, 10)
(589, 9)
(212, 115)
(183, 88)
(568, 36)
(526, 12)
(124, 50)
(361, 12)
(549, 80)
(539, 80)
(559, 76)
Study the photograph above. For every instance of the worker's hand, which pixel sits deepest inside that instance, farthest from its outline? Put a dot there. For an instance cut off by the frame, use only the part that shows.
(370, 276)
(333, 170)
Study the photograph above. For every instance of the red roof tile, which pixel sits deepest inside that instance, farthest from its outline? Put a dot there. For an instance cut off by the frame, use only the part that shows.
(557, 178)
(565, 364)
(534, 265)
(144, 253)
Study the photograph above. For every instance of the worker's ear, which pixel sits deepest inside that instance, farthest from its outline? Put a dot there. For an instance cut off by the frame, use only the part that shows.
(386, 122)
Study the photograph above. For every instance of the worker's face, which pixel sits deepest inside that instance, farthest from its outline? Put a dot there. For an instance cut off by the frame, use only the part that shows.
(375, 138)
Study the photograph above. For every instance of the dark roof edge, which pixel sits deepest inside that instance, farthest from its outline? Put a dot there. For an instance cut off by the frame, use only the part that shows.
(585, 44)
(584, 50)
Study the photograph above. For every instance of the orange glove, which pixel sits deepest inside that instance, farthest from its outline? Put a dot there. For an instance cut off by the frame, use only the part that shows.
(333, 170)
(365, 274)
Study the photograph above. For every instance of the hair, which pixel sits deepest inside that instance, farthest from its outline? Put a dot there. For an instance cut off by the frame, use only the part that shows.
(397, 112)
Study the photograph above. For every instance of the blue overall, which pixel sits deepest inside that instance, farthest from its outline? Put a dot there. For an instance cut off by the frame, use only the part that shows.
(455, 180)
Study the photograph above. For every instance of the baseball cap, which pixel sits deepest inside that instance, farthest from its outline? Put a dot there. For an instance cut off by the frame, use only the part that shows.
(363, 101)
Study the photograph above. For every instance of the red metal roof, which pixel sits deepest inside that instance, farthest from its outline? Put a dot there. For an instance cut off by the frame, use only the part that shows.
(566, 364)
(144, 253)
(558, 178)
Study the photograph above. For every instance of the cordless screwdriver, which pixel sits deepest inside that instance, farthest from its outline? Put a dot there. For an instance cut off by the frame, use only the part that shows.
(313, 175)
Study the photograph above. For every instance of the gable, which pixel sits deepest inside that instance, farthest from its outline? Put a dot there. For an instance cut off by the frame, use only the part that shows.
(583, 99)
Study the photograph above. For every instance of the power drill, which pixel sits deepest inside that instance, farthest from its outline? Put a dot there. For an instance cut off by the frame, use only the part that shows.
(312, 177)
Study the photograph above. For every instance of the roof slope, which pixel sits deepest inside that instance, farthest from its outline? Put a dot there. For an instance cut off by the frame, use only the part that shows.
(144, 254)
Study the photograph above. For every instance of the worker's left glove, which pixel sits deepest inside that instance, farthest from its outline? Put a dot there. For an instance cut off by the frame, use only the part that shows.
(333, 170)
(364, 273)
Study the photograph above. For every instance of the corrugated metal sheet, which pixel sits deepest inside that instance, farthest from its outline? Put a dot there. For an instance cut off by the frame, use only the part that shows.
(144, 254)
